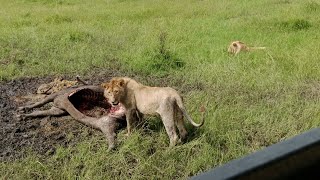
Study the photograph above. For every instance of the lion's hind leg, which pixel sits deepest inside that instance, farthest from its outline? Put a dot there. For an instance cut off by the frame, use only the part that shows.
(180, 124)
(166, 111)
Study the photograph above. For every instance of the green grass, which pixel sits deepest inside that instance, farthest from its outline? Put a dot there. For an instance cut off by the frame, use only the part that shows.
(255, 99)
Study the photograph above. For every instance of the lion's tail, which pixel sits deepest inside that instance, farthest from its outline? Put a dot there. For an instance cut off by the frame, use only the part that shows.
(185, 113)
(254, 48)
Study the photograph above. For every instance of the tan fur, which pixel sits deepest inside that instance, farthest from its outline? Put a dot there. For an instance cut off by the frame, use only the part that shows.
(58, 84)
(163, 101)
(45, 89)
(237, 46)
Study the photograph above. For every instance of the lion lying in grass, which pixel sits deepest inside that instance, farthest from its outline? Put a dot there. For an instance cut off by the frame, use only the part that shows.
(163, 101)
(237, 46)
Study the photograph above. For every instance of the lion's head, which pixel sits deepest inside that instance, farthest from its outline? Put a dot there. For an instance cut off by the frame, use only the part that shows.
(114, 90)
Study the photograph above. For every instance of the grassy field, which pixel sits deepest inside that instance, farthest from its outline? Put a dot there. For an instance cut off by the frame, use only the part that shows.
(255, 99)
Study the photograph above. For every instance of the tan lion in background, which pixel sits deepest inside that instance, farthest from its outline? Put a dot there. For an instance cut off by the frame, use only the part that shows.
(237, 46)
(163, 101)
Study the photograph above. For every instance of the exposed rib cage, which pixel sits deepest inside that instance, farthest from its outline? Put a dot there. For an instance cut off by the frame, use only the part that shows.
(89, 102)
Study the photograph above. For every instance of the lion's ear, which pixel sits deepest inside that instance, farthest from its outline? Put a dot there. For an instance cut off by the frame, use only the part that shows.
(121, 82)
(104, 85)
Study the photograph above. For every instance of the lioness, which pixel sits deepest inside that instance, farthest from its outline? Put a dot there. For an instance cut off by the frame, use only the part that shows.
(237, 46)
(163, 101)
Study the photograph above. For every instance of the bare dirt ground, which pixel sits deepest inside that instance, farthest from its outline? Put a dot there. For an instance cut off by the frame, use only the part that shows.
(42, 135)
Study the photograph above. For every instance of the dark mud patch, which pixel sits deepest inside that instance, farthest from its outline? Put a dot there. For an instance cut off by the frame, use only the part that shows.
(44, 135)
(41, 135)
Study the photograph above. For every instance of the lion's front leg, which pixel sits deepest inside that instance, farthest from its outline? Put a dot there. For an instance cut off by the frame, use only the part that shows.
(129, 118)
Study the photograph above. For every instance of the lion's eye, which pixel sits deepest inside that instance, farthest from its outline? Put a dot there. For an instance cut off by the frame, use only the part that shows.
(116, 92)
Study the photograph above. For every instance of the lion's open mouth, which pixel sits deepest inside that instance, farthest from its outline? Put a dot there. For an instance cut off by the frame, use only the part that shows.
(115, 104)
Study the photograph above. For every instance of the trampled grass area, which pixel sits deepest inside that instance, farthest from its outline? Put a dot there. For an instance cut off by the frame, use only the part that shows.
(255, 99)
